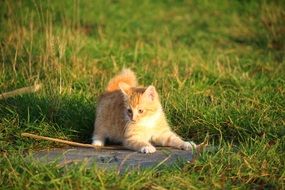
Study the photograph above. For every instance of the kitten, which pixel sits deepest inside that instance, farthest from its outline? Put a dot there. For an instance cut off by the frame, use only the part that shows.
(133, 116)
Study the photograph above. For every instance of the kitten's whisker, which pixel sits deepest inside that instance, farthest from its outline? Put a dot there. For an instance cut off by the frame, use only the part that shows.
(125, 127)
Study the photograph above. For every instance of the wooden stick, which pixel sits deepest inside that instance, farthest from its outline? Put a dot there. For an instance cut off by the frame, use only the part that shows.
(199, 148)
(24, 90)
(70, 142)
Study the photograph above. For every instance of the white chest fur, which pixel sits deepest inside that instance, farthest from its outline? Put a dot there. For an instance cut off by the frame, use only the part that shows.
(150, 122)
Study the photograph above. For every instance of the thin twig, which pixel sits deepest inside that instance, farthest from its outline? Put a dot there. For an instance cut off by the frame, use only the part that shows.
(201, 147)
(20, 91)
(70, 142)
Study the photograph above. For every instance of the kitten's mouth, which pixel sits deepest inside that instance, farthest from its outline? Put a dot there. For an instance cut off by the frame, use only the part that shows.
(131, 122)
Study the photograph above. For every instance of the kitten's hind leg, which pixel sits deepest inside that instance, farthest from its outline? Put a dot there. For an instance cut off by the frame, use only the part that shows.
(98, 140)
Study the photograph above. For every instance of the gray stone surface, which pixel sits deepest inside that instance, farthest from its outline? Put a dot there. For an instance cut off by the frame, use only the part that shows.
(120, 160)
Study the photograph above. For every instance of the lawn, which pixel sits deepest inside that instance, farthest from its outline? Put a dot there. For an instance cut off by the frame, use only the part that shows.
(219, 67)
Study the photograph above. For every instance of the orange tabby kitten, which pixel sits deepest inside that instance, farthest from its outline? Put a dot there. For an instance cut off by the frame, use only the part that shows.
(133, 116)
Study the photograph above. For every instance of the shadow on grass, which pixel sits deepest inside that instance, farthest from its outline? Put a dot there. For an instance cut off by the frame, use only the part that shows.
(66, 115)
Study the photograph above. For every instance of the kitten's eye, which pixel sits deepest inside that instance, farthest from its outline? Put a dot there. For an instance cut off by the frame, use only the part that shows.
(140, 111)
(130, 111)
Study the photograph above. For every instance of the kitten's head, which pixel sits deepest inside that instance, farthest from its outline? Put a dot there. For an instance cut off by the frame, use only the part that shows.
(140, 103)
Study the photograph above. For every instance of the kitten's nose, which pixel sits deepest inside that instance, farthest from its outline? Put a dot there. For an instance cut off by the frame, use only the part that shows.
(134, 118)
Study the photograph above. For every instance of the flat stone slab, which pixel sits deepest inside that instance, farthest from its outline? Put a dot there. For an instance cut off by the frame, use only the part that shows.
(120, 160)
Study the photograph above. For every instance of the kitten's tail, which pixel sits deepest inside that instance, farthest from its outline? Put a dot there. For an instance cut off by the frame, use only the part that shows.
(126, 76)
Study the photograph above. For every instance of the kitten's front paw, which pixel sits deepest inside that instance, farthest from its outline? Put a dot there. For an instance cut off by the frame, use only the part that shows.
(188, 146)
(147, 149)
(97, 143)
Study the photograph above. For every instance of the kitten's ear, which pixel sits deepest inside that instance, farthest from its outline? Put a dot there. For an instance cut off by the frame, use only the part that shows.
(150, 93)
(124, 87)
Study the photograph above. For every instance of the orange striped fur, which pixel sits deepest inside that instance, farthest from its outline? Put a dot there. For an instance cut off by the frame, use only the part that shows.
(133, 116)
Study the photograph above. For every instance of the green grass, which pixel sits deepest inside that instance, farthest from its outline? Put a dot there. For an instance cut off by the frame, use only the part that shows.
(218, 66)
